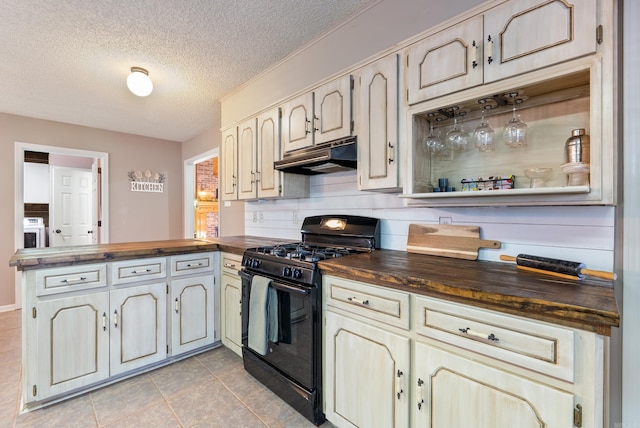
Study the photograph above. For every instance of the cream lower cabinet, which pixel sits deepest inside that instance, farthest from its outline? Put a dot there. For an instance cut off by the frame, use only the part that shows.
(453, 365)
(231, 302)
(193, 302)
(138, 334)
(73, 345)
(454, 391)
(85, 324)
(367, 374)
(192, 312)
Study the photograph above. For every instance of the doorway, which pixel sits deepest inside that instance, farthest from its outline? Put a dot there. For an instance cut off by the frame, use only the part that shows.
(99, 162)
(201, 211)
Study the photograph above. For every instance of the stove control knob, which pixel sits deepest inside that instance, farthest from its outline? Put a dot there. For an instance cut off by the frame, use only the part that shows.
(297, 273)
(287, 271)
(255, 263)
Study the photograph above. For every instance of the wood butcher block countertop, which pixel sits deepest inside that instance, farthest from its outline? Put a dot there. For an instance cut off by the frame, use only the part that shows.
(587, 304)
(40, 258)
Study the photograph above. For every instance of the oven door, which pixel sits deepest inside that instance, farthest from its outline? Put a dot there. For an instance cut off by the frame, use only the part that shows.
(293, 352)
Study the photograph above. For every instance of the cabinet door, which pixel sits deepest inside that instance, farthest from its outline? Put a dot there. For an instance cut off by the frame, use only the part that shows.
(72, 343)
(192, 313)
(229, 167)
(367, 372)
(296, 123)
(446, 62)
(247, 160)
(453, 391)
(532, 34)
(138, 326)
(378, 126)
(232, 312)
(332, 110)
(268, 151)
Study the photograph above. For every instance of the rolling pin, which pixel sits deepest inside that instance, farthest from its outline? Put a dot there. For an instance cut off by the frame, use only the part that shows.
(561, 268)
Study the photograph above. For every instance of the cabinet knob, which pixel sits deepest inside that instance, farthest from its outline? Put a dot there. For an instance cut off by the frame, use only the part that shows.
(58, 231)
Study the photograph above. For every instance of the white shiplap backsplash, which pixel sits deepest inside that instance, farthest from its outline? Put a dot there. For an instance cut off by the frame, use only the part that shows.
(581, 233)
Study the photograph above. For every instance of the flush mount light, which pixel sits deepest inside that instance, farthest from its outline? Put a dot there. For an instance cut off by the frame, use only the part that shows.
(139, 82)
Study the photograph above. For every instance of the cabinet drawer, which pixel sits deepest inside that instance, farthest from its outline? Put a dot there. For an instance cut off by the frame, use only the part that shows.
(70, 278)
(138, 270)
(231, 263)
(191, 263)
(533, 345)
(388, 306)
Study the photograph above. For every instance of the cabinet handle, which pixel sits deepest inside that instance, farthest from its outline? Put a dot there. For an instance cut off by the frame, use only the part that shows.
(233, 177)
(399, 390)
(253, 177)
(70, 280)
(176, 308)
(390, 152)
(136, 272)
(190, 265)
(468, 331)
(104, 321)
(316, 119)
(115, 318)
(420, 393)
(230, 265)
(306, 126)
(258, 176)
(489, 49)
(358, 301)
(474, 54)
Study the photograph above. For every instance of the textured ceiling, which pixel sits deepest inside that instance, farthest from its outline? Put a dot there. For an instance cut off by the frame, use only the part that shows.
(68, 60)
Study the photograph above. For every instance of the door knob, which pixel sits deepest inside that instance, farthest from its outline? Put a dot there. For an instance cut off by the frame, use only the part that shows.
(58, 231)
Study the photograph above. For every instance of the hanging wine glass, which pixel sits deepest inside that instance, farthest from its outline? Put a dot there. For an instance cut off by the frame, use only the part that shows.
(515, 131)
(441, 150)
(483, 135)
(430, 142)
(457, 138)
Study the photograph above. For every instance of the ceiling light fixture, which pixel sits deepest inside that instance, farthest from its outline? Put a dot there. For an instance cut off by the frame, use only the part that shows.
(139, 82)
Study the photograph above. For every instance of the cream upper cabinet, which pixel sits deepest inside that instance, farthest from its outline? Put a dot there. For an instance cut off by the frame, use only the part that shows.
(297, 123)
(506, 41)
(72, 346)
(367, 374)
(378, 162)
(138, 317)
(258, 149)
(247, 159)
(453, 391)
(532, 34)
(333, 110)
(229, 166)
(316, 117)
(446, 62)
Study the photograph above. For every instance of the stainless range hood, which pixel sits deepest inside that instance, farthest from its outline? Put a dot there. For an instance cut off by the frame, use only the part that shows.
(334, 156)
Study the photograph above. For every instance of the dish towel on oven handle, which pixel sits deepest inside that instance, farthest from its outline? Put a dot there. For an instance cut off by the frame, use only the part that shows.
(263, 314)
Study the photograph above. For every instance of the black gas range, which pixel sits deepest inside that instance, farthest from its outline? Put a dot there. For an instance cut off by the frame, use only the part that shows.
(281, 325)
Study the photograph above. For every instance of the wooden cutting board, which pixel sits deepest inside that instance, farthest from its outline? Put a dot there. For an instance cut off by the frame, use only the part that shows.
(460, 242)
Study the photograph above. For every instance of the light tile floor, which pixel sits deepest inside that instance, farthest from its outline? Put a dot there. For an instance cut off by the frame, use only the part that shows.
(208, 390)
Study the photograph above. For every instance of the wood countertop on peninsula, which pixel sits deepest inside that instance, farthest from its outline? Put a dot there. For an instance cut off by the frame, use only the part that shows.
(41, 258)
(587, 304)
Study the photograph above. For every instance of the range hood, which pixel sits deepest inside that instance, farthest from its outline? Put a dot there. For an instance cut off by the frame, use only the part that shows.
(334, 156)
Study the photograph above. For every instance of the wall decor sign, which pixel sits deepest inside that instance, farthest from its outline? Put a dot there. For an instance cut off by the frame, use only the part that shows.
(146, 181)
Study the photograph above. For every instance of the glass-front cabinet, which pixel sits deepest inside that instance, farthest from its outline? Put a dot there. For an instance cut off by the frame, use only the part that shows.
(507, 138)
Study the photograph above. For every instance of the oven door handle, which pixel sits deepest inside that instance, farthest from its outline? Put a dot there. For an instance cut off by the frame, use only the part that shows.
(285, 287)
(277, 285)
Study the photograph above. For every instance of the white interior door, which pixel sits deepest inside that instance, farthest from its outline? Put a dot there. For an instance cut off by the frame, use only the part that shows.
(72, 197)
